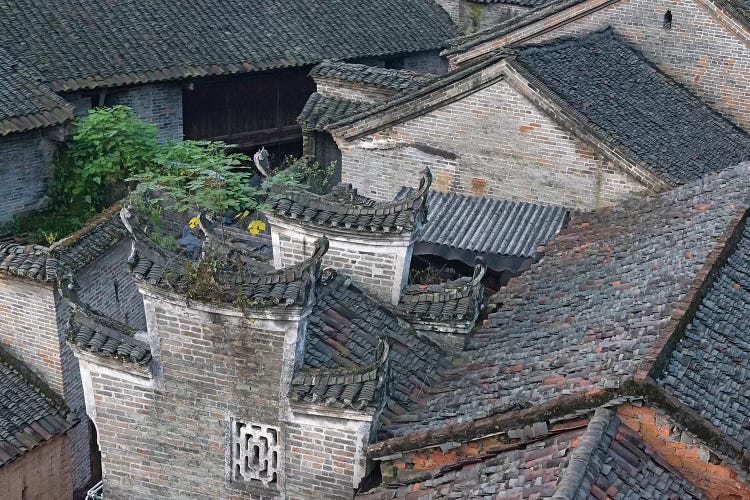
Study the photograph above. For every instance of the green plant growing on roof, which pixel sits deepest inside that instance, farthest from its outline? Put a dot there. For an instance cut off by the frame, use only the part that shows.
(201, 176)
(108, 146)
(316, 177)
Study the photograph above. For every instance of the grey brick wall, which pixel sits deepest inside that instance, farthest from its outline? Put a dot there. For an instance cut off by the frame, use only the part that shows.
(377, 264)
(173, 443)
(160, 104)
(477, 16)
(167, 437)
(26, 172)
(28, 328)
(107, 286)
(451, 7)
(704, 50)
(492, 143)
(323, 460)
(426, 62)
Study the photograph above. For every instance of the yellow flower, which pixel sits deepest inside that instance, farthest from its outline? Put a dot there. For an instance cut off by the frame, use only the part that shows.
(256, 226)
(194, 222)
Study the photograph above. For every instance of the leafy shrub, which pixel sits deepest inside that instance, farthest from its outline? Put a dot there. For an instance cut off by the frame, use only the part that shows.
(202, 176)
(109, 145)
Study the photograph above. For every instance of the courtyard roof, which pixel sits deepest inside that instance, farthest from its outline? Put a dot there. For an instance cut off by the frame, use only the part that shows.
(486, 226)
(25, 103)
(593, 316)
(637, 107)
(89, 44)
(28, 417)
(603, 458)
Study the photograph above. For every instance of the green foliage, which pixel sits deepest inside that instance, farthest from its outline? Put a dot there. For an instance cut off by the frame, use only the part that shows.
(109, 145)
(202, 280)
(310, 173)
(202, 175)
(44, 227)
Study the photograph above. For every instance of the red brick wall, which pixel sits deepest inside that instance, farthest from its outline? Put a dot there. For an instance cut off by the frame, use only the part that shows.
(44, 473)
(697, 463)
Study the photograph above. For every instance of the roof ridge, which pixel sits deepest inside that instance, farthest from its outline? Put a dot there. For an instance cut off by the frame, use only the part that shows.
(397, 215)
(597, 431)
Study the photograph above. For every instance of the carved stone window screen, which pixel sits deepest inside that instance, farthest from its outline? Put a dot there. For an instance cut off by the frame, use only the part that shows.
(255, 452)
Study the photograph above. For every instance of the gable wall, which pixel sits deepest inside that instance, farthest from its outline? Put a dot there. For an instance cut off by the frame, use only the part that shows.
(28, 328)
(168, 437)
(478, 16)
(491, 143)
(107, 286)
(699, 51)
(32, 330)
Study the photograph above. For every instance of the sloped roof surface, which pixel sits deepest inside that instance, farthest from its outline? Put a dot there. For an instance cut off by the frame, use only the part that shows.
(320, 111)
(26, 104)
(78, 44)
(602, 459)
(457, 300)
(528, 472)
(99, 235)
(709, 371)
(105, 337)
(345, 332)
(595, 310)
(72, 254)
(393, 79)
(655, 120)
(613, 461)
(522, 3)
(486, 225)
(27, 417)
(343, 207)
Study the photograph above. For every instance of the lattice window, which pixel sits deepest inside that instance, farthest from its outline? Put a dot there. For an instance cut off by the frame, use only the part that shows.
(255, 452)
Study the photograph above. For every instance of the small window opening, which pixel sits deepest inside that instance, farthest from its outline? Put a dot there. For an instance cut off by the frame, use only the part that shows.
(667, 20)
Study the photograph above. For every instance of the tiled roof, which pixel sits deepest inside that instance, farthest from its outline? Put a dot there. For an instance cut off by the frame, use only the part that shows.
(351, 336)
(70, 254)
(522, 3)
(657, 122)
(526, 472)
(488, 226)
(709, 371)
(738, 9)
(91, 242)
(457, 300)
(105, 337)
(393, 79)
(320, 111)
(255, 285)
(612, 461)
(544, 10)
(26, 104)
(28, 261)
(86, 44)
(27, 417)
(344, 208)
(595, 310)
(604, 459)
